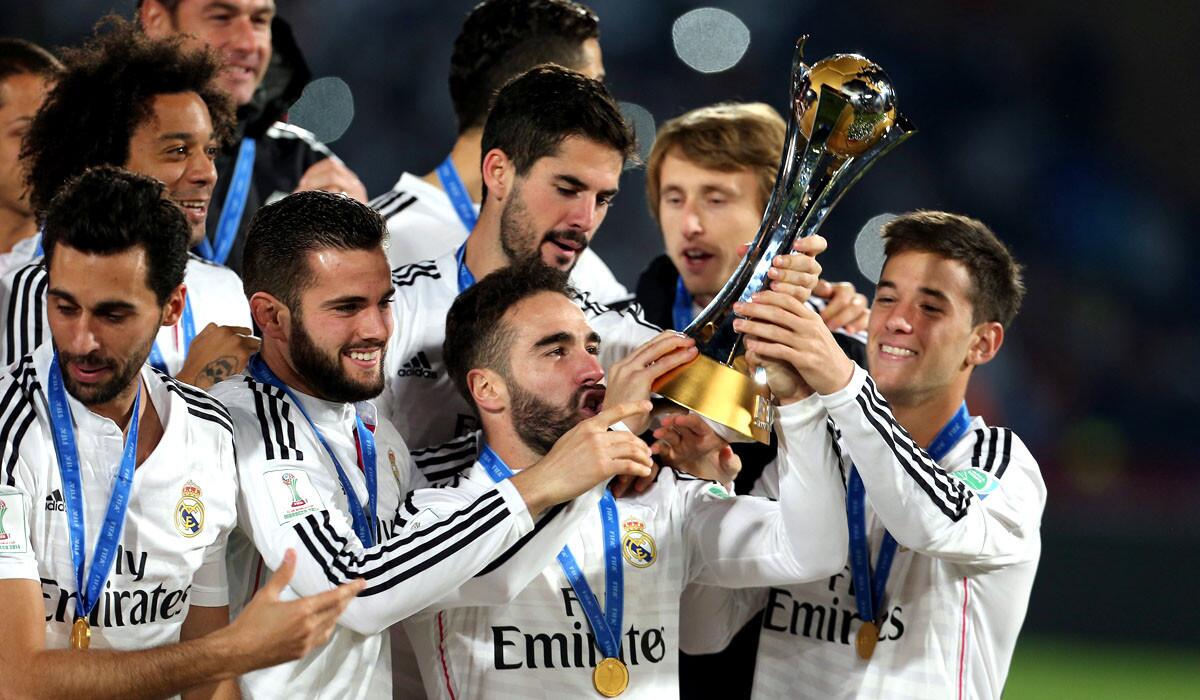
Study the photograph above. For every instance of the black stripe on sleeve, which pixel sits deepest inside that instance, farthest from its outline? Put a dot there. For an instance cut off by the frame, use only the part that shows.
(949, 495)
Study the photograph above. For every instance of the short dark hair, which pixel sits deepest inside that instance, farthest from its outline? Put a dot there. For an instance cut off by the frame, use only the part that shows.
(536, 111)
(476, 334)
(20, 57)
(106, 92)
(996, 285)
(283, 233)
(502, 39)
(107, 210)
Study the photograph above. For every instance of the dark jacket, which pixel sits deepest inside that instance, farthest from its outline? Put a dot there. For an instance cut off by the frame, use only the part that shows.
(284, 152)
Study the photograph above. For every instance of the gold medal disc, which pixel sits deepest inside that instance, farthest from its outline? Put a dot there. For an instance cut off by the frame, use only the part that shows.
(865, 641)
(610, 677)
(81, 634)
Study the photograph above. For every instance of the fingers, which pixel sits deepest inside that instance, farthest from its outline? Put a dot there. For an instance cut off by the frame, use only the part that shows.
(240, 330)
(846, 307)
(336, 599)
(658, 347)
(627, 466)
(620, 412)
(283, 574)
(647, 481)
(627, 446)
(810, 245)
(620, 485)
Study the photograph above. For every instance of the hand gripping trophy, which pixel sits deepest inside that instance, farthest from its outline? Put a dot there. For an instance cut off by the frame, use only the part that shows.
(842, 119)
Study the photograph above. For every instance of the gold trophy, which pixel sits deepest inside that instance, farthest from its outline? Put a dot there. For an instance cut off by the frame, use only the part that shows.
(842, 119)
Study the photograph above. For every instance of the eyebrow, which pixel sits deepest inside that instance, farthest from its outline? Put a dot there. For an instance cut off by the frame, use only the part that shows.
(103, 307)
(562, 337)
(348, 299)
(927, 291)
(178, 136)
(580, 184)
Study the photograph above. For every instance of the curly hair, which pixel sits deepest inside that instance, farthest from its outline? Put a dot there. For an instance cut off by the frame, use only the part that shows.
(283, 233)
(476, 334)
(105, 94)
(107, 210)
(20, 57)
(502, 39)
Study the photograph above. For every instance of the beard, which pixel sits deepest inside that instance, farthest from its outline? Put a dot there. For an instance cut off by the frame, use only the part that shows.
(323, 371)
(124, 372)
(540, 423)
(522, 244)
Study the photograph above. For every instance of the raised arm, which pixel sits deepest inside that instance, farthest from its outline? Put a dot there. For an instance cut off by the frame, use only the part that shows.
(987, 515)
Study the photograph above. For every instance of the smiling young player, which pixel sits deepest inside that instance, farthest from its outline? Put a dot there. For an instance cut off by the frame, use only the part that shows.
(944, 510)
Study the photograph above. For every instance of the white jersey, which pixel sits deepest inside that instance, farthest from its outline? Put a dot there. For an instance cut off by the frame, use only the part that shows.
(539, 645)
(419, 397)
(969, 534)
(22, 252)
(292, 498)
(214, 291)
(422, 224)
(171, 553)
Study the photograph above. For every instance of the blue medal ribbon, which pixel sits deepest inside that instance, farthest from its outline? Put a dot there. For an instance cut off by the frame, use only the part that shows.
(868, 588)
(457, 192)
(234, 206)
(466, 280)
(681, 312)
(67, 452)
(189, 334)
(363, 521)
(606, 625)
(39, 252)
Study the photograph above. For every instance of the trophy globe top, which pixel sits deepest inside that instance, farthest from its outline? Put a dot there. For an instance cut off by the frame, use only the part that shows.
(871, 102)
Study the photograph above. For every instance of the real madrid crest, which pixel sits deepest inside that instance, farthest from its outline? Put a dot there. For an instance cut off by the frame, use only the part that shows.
(189, 512)
(637, 545)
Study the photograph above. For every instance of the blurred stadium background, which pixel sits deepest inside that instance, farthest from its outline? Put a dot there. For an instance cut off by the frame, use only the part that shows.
(1064, 125)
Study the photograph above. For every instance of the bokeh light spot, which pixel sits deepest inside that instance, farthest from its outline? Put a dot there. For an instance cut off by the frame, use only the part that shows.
(710, 40)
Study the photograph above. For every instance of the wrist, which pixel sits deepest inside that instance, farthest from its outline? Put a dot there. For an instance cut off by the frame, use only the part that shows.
(225, 647)
(531, 491)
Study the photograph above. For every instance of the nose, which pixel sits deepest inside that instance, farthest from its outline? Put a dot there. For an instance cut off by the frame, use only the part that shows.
(241, 35)
(201, 170)
(81, 336)
(590, 371)
(376, 324)
(584, 215)
(691, 222)
(897, 319)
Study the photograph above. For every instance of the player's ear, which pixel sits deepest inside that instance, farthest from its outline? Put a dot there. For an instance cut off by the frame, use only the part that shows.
(498, 173)
(173, 309)
(272, 316)
(155, 19)
(488, 390)
(985, 343)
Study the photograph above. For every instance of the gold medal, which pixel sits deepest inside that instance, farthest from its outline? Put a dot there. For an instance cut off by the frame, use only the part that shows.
(610, 677)
(81, 634)
(865, 641)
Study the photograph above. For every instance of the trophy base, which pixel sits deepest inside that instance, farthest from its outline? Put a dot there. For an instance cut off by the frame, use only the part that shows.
(720, 393)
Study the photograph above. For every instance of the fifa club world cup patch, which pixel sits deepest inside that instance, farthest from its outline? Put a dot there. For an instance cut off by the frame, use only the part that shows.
(979, 481)
(637, 545)
(189, 512)
(14, 536)
(292, 494)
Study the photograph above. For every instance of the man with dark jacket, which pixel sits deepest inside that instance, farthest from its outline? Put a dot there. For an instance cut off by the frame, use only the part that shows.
(264, 74)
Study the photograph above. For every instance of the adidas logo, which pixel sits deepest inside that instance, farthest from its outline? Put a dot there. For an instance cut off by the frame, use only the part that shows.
(418, 366)
(55, 502)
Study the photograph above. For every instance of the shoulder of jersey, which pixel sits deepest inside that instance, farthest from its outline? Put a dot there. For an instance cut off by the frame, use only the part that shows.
(18, 387)
(994, 448)
(630, 311)
(24, 311)
(282, 131)
(266, 407)
(392, 202)
(200, 403)
(193, 258)
(410, 274)
(441, 463)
